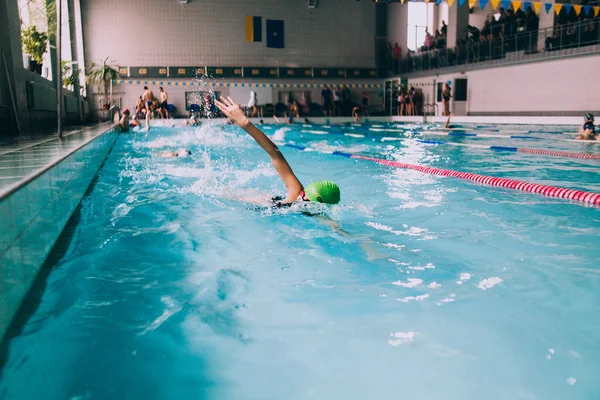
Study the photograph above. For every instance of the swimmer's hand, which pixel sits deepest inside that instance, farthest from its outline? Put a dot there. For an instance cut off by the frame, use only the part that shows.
(232, 111)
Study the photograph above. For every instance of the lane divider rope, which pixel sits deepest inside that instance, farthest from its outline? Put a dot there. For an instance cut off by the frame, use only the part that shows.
(545, 190)
(460, 134)
(517, 149)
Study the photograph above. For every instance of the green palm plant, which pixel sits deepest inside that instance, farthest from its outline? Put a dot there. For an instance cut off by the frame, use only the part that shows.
(101, 75)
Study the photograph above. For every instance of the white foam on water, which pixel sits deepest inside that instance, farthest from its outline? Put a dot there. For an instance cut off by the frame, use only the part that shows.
(465, 276)
(356, 135)
(422, 297)
(489, 283)
(571, 381)
(172, 308)
(410, 283)
(434, 285)
(400, 338)
(394, 246)
(279, 134)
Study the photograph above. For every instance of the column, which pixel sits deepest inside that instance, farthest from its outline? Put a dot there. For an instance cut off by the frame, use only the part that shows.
(381, 40)
(10, 45)
(458, 20)
(546, 26)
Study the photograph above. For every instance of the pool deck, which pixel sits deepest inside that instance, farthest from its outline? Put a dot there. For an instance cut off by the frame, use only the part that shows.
(24, 158)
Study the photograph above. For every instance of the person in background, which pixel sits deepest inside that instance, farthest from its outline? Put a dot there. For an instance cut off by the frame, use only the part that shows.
(401, 103)
(444, 29)
(135, 121)
(409, 103)
(365, 104)
(294, 111)
(326, 96)
(337, 102)
(356, 114)
(124, 122)
(448, 126)
(139, 106)
(162, 106)
(253, 104)
(446, 98)
(193, 121)
(588, 131)
(148, 97)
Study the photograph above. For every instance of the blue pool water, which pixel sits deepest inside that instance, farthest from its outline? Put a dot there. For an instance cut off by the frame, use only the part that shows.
(166, 286)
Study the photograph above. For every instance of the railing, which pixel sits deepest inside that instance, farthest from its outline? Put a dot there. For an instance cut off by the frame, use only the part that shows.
(430, 106)
(498, 49)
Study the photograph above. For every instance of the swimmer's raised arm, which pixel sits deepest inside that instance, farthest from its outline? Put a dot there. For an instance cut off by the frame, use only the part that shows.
(235, 113)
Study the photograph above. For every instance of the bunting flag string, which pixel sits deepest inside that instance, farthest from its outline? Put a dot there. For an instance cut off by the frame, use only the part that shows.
(557, 8)
(517, 5)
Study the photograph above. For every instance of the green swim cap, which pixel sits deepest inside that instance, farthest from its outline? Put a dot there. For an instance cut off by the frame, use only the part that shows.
(323, 192)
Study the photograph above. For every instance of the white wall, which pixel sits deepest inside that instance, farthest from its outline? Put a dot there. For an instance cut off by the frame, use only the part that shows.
(338, 33)
(568, 85)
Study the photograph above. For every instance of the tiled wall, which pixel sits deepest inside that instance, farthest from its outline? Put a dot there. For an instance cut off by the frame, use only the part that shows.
(34, 216)
(338, 33)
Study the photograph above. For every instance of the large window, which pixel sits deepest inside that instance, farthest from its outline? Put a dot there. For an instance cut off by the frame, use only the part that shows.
(420, 20)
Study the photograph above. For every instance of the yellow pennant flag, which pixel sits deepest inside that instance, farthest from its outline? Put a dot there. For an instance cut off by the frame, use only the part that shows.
(557, 8)
(537, 7)
(450, 2)
(427, 1)
(516, 5)
(472, 3)
(495, 4)
(596, 11)
(577, 8)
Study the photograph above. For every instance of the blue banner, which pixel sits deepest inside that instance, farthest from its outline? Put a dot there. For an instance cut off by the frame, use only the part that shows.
(548, 7)
(567, 7)
(275, 31)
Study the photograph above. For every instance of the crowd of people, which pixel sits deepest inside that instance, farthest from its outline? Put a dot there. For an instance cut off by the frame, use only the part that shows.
(510, 31)
(410, 102)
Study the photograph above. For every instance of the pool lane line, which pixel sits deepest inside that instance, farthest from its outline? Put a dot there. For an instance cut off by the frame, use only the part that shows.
(456, 134)
(545, 190)
(517, 150)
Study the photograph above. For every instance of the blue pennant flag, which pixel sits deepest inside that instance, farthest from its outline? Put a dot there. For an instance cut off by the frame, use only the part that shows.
(548, 7)
(439, 2)
(526, 5)
(505, 4)
(461, 2)
(587, 9)
(483, 3)
(567, 8)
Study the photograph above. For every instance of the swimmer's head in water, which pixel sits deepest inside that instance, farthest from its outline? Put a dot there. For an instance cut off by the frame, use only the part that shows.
(323, 192)
(589, 117)
(183, 153)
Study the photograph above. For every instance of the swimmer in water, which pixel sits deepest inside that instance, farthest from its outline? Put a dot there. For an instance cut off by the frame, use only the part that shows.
(181, 153)
(588, 131)
(320, 191)
(193, 121)
(124, 122)
(148, 98)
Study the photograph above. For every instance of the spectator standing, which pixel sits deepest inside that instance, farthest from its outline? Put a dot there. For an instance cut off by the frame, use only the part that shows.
(444, 29)
(253, 104)
(365, 104)
(163, 110)
(326, 96)
(401, 103)
(446, 98)
(337, 102)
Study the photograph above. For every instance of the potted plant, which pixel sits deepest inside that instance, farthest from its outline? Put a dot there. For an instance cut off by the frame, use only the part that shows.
(70, 73)
(102, 75)
(35, 44)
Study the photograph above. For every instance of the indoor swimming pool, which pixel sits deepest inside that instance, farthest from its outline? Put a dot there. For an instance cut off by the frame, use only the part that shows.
(166, 285)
